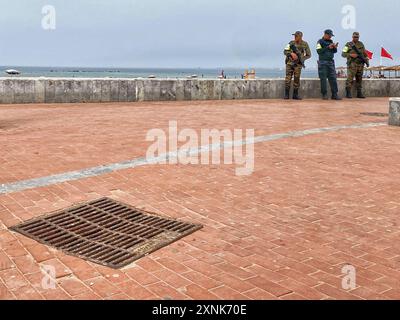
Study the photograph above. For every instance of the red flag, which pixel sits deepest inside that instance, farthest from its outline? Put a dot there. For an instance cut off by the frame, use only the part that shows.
(385, 54)
(370, 54)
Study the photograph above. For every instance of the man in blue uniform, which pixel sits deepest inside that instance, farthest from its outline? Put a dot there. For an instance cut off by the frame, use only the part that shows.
(326, 65)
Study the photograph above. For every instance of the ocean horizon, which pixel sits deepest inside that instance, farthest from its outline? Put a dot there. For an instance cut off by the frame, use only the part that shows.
(162, 73)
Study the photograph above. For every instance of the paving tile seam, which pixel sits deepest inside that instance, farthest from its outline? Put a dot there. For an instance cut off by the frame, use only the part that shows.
(142, 161)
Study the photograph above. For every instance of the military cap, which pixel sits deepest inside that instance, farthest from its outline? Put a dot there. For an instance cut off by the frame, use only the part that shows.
(356, 34)
(298, 33)
(330, 32)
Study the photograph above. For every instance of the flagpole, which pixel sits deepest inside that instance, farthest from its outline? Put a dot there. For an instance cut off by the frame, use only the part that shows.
(381, 56)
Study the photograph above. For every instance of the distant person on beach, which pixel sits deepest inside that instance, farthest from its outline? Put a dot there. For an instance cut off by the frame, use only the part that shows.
(357, 57)
(296, 53)
(326, 50)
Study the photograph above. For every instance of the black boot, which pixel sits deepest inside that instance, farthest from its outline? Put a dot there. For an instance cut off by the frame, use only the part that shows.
(296, 95)
(348, 93)
(360, 94)
(336, 97)
(287, 93)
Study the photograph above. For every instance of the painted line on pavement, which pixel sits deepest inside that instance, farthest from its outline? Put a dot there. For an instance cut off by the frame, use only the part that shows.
(104, 169)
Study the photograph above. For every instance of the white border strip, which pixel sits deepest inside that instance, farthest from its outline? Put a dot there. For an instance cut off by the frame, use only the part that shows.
(100, 170)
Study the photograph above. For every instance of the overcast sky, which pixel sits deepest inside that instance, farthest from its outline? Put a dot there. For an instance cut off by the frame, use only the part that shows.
(183, 33)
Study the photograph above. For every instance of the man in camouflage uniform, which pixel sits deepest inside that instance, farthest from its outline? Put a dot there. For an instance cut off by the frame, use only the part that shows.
(294, 63)
(355, 66)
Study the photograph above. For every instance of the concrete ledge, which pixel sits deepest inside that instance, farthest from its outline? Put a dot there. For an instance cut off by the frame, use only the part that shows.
(72, 90)
(394, 112)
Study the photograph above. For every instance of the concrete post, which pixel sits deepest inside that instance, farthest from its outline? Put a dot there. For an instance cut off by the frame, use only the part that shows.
(394, 112)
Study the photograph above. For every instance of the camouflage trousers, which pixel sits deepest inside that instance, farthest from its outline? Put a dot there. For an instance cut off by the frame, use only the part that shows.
(293, 71)
(355, 70)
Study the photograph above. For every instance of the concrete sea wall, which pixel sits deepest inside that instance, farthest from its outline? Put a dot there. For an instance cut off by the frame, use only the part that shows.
(67, 90)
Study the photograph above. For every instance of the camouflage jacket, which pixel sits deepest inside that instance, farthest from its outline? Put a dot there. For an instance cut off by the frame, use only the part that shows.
(303, 48)
(347, 51)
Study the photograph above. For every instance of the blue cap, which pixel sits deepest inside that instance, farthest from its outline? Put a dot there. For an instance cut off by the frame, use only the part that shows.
(329, 32)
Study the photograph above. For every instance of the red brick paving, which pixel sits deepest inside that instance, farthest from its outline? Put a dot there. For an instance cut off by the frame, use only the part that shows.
(313, 204)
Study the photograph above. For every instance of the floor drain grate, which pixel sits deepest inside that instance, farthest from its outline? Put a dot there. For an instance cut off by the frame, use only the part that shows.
(374, 114)
(106, 232)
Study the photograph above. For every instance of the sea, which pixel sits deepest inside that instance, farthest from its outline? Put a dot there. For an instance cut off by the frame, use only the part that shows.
(161, 73)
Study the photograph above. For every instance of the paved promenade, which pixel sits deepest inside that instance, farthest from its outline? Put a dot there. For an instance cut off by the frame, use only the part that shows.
(324, 194)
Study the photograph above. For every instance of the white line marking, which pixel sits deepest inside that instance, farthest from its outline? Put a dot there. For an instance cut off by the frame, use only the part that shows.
(100, 170)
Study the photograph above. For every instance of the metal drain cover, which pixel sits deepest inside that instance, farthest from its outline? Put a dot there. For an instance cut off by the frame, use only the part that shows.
(374, 114)
(106, 232)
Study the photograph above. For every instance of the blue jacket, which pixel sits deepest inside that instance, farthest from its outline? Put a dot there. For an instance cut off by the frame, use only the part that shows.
(325, 54)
